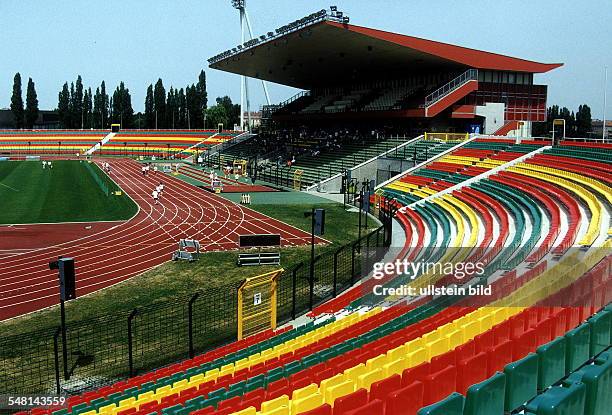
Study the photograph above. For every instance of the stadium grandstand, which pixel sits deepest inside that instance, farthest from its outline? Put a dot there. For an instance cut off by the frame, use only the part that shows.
(445, 133)
(364, 86)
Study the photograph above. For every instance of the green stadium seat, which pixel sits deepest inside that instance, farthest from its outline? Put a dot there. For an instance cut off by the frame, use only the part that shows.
(551, 358)
(598, 381)
(600, 331)
(486, 398)
(559, 400)
(578, 346)
(452, 405)
(521, 381)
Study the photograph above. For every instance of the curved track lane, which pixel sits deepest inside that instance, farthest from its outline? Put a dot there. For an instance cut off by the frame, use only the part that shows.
(117, 253)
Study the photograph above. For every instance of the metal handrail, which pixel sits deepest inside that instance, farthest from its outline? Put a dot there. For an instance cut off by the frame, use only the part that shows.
(469, 75)
(271, 109)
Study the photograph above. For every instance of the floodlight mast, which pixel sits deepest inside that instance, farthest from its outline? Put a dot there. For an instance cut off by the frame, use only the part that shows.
(240, 5)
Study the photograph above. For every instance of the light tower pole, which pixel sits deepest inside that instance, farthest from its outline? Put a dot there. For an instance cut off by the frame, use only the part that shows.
(240, 5)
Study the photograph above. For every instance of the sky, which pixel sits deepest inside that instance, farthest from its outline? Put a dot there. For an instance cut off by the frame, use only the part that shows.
(139, 41)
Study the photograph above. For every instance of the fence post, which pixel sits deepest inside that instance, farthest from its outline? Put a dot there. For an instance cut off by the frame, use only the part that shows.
(130, 342)
(367, 253)
(293, 293)
(192, 300)
(353, 263)
(335, 292)
(56, 356)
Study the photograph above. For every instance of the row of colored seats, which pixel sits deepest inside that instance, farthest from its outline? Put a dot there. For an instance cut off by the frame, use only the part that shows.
(545, 284)
(521, 347)
(179, 382)
(584, 392)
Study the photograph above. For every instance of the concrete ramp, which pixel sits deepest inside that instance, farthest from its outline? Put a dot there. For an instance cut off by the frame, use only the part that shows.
(96, 147)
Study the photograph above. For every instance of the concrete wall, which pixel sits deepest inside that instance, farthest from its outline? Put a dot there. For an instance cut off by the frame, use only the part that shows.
(493, 114)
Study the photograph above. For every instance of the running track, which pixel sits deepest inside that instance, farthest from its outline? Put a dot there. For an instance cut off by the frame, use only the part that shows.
(119, 252)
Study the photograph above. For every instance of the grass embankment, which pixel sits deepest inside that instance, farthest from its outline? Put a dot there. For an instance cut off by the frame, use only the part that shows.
(214, 269)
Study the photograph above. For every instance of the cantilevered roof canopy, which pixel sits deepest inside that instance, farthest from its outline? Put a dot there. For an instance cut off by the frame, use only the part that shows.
(329, 52)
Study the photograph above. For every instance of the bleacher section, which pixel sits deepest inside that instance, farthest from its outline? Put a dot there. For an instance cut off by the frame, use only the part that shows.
(48, 142)
(540, 343)
(390, 99)
(422, 150)
(147, 143)
(329, 162)
(240, 151)
(381, 96)
(163, 144)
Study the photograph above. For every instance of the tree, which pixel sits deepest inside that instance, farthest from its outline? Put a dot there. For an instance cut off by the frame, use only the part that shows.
(17, 102)
(63, 106)
(182, 103)
(159, 104)
(202, 95)
(31, 111)
(105, 105)
(583, 121)
(171, 109)
(149, 113)
(97, 110)
(216, 115)
(76, 98)
(232, 111)
(88, 108)
(122, 111)
(191, 106)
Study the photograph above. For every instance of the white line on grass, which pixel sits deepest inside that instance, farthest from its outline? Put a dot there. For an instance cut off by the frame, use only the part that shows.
(12, 188)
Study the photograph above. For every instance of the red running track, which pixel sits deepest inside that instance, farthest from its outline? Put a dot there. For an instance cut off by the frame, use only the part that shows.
(117, 253)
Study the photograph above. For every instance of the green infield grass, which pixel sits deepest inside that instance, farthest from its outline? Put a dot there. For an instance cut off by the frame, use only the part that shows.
(71, 191)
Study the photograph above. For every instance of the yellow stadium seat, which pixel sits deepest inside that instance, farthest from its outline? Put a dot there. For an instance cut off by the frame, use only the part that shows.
(437, 347)
(283, 410)
(499, 315)
(486, 322)
(196, 378)
(395, 367)
(336, 391)
(248, 411)
(127, 401)
(414, 345)
(211, 372)
(417, 357)
(376, 362)
(455, 338)
(330, 382)
(397, 353)
(307, 403)
(305, 391)
(354, 372)
(365, 380)
(270, 405)
(470, 330)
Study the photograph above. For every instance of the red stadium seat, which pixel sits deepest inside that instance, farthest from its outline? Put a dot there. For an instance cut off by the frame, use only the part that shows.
(405, 401)
(350, 402)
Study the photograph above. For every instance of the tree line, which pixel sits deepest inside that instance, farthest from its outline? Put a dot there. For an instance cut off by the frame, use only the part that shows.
(24, 117)
(81, 108)
(577, 124)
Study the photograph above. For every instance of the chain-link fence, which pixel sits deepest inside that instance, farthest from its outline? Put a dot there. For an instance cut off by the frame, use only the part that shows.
(112, 347)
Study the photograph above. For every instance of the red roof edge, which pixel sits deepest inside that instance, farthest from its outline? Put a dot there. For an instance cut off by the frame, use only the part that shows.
(471, 57)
